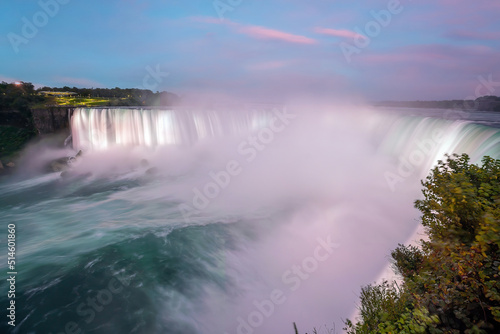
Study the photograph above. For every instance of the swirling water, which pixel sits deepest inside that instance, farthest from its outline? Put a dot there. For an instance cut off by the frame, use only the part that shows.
(286, 218)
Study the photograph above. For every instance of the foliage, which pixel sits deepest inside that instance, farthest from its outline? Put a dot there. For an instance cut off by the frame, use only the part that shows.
(386, 309)
(408, 260)
(446, 104)
(452, 284)
(488, 103)
(114, 96)
(326, 329)
(457, 195)
(483, 103)
(18, 97)
(12, 139)
(22, 96)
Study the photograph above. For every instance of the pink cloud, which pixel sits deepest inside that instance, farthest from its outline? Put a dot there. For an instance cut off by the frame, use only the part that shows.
(266, 33)
(337, 32)
(431, 54)
(270, 65)
(392, 58)
(258, 31)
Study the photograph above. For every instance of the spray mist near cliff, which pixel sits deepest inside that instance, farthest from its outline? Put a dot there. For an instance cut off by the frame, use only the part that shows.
(225, 220)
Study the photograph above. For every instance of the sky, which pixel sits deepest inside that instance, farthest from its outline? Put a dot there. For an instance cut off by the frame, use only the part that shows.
(265, 50)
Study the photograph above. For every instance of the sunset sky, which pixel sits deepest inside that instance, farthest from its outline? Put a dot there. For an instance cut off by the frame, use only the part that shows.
(428, 49)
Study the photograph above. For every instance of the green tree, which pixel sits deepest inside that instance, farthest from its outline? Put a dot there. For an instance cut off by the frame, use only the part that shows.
(451, 284)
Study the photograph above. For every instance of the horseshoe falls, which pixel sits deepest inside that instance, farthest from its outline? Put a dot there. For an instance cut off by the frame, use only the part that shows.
(230, 220)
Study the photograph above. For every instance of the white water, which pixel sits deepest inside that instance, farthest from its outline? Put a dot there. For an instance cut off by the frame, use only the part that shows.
(346, 174)
(351, 177)
(99, 128)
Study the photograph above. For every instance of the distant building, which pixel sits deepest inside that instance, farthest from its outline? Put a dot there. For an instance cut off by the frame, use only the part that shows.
(58, 94)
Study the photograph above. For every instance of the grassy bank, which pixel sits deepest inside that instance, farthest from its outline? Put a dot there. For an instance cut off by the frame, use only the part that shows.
(89, 101)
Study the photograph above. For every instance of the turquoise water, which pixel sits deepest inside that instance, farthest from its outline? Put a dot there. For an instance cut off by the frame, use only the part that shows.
(110, 249)
(77, 236)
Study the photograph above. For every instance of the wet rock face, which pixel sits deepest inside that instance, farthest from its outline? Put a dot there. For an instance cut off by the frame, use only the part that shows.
(63, 164)
(51, 119)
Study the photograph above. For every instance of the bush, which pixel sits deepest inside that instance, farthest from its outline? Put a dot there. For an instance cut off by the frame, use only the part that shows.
(452, 284)
(12, 139)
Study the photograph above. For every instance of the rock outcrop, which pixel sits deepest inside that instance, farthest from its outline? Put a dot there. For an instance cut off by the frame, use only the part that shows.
(52, 119)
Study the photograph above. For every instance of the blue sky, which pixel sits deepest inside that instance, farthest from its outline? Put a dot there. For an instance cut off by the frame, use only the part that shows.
(373, 49)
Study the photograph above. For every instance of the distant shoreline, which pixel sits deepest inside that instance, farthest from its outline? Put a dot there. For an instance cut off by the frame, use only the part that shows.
(485, 103)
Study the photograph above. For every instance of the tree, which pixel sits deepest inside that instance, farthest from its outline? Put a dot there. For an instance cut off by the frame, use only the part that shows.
(452, 284)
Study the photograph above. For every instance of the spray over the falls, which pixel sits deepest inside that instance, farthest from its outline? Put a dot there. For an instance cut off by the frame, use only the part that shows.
(224, 221)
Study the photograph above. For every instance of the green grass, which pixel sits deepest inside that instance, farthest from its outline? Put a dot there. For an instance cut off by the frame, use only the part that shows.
(89, 102)
(75, 101)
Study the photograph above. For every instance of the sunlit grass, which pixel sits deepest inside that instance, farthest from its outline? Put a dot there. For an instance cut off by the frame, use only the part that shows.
(80, 101)
(90, 102)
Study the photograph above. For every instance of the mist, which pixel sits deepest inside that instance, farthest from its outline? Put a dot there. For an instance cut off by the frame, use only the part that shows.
(311, 197)
(319, 175)
(262, 189)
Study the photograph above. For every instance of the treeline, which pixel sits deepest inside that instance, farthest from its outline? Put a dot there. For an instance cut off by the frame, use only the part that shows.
(22, 96)
(484, 103)
(452, 283)
(488, 103)
(16, 126)
(122, 96)
(19, 97)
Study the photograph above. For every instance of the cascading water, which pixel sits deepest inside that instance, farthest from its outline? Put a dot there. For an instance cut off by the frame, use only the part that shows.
(290, 213)
(99, 128)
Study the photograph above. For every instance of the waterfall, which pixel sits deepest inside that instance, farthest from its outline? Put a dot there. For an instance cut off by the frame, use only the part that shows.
(422, 141)
(412, 142)
(100, 128)
(203, 240)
